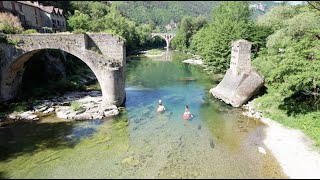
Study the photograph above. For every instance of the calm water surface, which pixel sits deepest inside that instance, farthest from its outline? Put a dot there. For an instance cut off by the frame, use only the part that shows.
(140, 143)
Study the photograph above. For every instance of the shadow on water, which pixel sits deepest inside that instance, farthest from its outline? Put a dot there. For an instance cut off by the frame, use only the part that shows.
(28, 137)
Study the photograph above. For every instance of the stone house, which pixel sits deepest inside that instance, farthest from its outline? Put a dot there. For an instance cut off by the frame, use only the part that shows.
(171, 25)
(34, 15)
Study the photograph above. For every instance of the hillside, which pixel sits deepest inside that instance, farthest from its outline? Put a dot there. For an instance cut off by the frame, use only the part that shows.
(162, 12)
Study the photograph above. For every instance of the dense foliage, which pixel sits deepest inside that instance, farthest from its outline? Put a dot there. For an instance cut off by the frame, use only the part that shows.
(100, 17)
(230, 21)
(162, 12)
(187, 28)
(291, 59)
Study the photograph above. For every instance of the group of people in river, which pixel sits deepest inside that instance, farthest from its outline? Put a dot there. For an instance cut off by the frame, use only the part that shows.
(186, 115)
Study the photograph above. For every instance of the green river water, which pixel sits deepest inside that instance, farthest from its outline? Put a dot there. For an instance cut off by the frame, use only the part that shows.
(140, 143)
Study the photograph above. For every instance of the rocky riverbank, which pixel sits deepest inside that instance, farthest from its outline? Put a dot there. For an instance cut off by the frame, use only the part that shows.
(90, 107)
(292, 148)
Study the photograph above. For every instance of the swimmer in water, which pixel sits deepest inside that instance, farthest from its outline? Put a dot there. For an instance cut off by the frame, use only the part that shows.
(160, 107)
(187, 115)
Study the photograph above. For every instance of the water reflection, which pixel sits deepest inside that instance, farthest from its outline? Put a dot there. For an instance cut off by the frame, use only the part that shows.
(142, 143)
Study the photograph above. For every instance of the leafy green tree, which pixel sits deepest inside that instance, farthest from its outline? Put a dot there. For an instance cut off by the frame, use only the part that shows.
(230, 21)
(291, 60)
(186, 29)
(79, 21)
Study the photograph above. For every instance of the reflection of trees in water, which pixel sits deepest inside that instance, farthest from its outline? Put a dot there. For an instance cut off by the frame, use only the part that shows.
(60, 146)
(26, 137)
(149, 73)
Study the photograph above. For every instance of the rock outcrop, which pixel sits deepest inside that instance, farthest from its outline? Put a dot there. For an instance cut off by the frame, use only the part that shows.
(240, 82)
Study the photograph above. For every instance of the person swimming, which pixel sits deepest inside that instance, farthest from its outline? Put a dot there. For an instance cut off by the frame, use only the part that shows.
(187, 115)
(161, 107)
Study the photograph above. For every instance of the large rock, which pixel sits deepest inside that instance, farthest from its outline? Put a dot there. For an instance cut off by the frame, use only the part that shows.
(240, 82)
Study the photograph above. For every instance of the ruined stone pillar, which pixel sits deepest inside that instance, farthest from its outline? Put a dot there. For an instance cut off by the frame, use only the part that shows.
(241, 81)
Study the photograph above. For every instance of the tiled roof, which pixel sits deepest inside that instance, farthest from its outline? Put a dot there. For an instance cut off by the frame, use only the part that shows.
(48, 9)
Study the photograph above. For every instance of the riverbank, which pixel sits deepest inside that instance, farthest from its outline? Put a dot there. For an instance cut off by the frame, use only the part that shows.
(292, 148)
(72, 105)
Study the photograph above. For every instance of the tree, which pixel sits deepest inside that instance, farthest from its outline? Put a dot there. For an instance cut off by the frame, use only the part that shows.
(186, 29)
(230, 21)
(291, 60)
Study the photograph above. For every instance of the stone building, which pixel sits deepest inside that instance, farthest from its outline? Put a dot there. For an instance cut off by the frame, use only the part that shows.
(34, 15)
(171, 25)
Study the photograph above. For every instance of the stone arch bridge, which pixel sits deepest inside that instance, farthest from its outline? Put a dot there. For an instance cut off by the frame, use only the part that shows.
(103, 53)
(166, 36)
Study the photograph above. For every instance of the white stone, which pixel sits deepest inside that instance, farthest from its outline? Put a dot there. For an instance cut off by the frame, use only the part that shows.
(261, 150)
(83, 116)
(48, 110)
(111, 112)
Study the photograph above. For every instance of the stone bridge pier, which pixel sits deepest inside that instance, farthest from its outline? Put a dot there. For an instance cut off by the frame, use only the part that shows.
(103, 53)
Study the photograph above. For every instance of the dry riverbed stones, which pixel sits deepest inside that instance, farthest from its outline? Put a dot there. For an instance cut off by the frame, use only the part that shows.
(90, 107)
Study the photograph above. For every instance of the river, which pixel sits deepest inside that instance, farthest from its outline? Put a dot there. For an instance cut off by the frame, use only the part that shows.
(140, 143)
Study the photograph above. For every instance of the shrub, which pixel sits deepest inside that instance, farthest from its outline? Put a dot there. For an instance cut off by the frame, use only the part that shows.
(10, 24)
(30, 31)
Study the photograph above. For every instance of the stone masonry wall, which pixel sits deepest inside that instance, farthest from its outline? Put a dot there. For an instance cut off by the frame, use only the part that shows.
(108, 65)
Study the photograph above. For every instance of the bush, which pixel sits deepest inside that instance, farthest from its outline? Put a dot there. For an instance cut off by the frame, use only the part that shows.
(79, 31)
(10, 24)
(30, 31)
(75, 105)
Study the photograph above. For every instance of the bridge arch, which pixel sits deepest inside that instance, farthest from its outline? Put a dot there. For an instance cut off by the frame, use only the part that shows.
(166, 36)
(103, 54)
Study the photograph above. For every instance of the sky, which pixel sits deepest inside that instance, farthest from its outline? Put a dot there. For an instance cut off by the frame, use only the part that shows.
(292, 2)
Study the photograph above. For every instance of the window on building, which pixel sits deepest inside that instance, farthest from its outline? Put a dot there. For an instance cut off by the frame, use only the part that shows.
(20, 7)
(62, 24)
(36, 20)
(1, 3)
(13, 6)
(35, 11)
(58, 22)
(53, 21)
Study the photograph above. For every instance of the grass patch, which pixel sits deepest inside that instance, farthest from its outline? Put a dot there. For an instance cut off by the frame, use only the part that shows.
(309, 122)
(75, 105)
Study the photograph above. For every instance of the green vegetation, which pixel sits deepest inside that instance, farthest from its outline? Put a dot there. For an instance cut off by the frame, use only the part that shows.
(154, 52)
(75, 105)
(100, 17)
(290, 63)
(187, 28)
(230, 21)
(29, 31)
(10, 24)
(8, 40)
(160, 13)
(285, 50)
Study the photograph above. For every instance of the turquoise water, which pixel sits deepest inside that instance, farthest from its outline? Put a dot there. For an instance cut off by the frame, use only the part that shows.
(141, 143)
